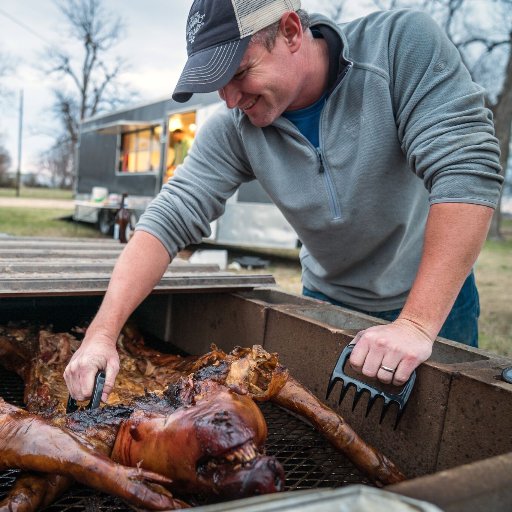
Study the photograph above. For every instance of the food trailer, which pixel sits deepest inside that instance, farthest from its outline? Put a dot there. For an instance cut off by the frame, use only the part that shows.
(136, 150)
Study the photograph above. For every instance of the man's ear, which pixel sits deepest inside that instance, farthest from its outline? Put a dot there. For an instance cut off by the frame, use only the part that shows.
(291, 29)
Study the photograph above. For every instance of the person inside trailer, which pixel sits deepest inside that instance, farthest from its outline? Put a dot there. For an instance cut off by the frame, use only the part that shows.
(372, 140)
(178, 149)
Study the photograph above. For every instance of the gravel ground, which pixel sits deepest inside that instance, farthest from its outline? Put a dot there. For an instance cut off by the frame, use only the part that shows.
(24, 202)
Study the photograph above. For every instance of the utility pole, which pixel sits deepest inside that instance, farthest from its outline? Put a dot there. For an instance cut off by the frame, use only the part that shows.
(20, 134)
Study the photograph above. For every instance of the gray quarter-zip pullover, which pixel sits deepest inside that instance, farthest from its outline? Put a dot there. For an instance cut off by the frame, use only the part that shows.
(404, 128)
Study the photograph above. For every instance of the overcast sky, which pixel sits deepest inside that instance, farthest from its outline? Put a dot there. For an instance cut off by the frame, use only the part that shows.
(153, 44)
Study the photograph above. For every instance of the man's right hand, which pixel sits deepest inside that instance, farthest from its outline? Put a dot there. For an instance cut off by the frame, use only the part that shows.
(97, 352)
(139, 268)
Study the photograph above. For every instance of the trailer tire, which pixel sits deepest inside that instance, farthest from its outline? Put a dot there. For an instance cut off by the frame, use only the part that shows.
(106, 222)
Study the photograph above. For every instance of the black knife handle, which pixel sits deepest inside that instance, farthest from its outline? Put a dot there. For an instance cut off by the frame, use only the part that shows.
(97, 391)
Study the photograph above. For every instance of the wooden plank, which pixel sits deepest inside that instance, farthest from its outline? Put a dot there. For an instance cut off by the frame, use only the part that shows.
(23, 246)
(59, 253)
(9, 267)
(80, 285)
(46, 267)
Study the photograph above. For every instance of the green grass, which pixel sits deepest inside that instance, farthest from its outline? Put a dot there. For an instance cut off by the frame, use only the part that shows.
(43, 222)
(493, 273)
(37, 193)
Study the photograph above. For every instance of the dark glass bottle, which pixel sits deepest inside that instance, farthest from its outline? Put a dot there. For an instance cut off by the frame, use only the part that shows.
(122, 222)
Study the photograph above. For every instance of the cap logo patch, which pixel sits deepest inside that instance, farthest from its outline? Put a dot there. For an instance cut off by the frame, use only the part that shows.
(195, 23)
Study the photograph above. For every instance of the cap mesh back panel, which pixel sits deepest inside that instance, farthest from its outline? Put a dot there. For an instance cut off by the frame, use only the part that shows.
(253, 15)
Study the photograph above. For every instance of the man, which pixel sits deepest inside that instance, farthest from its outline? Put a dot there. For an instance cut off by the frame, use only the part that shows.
(371, 139)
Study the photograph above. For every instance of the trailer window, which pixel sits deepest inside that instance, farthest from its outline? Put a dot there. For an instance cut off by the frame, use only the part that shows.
(140, 151)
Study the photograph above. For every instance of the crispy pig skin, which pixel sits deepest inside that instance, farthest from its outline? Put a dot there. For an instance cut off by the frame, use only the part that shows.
(29, 442)
(222, 429)
(258, 374)
(190, 418)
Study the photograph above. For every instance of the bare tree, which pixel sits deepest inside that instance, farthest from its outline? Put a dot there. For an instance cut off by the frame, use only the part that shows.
(57, 163)
(484, 40)
(5, 162)
(3, 72)
(336, 10)
(6, 69)
(482, 32)
(91, 82)
(6, 95)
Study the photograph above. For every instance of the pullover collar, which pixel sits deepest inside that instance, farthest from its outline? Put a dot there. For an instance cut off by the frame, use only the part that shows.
(337, 47)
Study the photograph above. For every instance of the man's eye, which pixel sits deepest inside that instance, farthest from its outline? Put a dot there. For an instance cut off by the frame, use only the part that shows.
(240, 74)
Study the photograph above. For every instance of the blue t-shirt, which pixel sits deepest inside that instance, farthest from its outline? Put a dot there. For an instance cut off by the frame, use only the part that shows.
(307, 120)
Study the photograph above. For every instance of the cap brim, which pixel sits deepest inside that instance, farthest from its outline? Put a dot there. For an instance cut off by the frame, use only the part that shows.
(210, 70)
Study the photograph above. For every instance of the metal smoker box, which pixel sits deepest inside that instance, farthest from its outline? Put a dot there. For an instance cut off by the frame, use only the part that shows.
(454, 440)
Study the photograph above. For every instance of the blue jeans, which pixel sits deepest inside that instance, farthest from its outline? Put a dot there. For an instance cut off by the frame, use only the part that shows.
(461, 324)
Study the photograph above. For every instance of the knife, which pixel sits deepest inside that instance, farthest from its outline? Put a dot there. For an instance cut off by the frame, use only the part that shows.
(99, 383)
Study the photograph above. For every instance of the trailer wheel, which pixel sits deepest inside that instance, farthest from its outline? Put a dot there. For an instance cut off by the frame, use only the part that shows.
(106, 222)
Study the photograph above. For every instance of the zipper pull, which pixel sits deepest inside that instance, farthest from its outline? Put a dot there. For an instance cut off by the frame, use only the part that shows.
(321, 160)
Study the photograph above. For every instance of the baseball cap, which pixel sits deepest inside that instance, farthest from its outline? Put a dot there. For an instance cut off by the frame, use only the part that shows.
(218, 33)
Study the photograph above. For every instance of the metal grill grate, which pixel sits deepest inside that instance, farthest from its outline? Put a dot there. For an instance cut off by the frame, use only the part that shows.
(308, 460)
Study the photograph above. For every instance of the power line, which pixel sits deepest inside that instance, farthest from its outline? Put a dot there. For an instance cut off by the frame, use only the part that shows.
(23, 25)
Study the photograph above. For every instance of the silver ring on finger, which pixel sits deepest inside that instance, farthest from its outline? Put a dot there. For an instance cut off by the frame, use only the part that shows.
(387, 369)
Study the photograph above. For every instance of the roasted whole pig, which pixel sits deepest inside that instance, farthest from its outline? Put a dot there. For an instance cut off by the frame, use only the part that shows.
(224, 432)
(191, 419)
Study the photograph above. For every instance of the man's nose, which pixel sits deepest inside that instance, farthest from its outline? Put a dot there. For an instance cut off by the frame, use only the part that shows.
(231, 94)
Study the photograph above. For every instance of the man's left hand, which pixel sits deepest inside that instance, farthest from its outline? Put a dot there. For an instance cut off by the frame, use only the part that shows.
(391, 352)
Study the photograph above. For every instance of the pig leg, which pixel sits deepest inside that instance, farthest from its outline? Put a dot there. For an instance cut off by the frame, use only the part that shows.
(294, 397)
